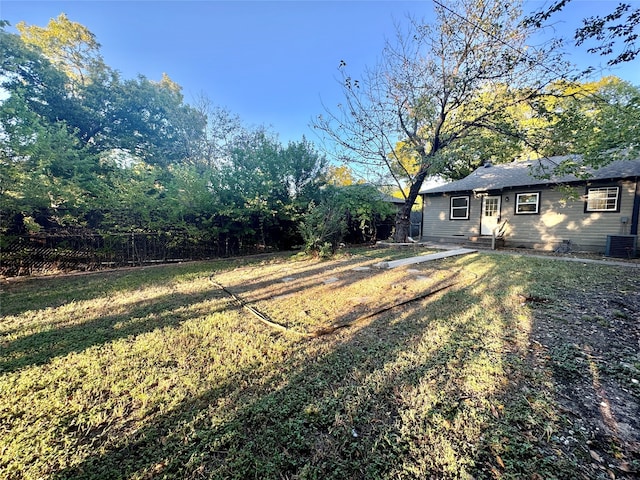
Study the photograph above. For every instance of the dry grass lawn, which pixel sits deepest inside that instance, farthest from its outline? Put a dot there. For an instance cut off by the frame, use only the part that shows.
(158, 373)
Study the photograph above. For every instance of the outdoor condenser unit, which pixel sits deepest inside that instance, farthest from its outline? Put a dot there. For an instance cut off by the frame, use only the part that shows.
(621, 246)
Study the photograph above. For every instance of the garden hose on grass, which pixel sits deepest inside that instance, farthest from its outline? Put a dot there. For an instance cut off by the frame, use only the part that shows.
(257, 313)
(332, 328)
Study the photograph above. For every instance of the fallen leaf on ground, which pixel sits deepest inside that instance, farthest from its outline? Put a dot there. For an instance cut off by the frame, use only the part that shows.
(595, 456)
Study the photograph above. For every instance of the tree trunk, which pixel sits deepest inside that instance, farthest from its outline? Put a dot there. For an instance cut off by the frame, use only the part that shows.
(403, 224)
(403, 217)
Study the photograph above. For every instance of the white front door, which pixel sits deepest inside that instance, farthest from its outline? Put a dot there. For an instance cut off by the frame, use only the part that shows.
(490, 214)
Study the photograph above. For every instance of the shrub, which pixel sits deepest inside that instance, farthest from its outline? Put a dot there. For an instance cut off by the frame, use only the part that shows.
(342, 212)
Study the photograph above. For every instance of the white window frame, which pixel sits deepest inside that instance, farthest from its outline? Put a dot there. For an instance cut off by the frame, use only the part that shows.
(458, 208)
(602, 194)
(519, 203)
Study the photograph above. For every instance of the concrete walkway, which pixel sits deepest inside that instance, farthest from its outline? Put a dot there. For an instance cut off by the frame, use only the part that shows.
(424, 258)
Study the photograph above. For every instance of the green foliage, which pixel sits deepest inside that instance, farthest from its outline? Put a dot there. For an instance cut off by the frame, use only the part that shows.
(152, 122)
(81, 147)
(596, 120)
(608, 127)
(69, 45)
(364, 206)
(29, 75)
(44, 166)
(324, 226)
(347, 213)
(468, 154)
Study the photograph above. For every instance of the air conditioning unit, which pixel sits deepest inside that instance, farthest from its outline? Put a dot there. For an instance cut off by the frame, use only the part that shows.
(621, 246)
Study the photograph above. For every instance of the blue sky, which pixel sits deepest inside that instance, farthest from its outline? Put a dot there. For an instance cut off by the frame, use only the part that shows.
(273, 63)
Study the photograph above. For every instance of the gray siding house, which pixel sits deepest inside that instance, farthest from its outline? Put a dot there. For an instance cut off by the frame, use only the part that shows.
(554, 213)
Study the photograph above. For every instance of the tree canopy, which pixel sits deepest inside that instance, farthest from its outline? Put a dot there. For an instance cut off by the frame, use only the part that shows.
(70, 46)
(83, 148)
(596, 120)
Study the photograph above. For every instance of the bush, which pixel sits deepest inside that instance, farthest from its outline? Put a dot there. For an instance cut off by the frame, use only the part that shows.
(323, 227)
(350, 211)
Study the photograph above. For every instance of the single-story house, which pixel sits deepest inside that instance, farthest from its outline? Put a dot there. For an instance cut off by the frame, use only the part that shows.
(512, 201)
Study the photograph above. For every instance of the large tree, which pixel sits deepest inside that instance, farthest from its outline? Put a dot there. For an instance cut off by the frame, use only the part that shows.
(262, 188)
(148, 119)
(436, 85)
(596, 120)
(70, 46)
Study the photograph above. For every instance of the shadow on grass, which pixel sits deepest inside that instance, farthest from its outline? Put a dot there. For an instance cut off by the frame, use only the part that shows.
(298, 277)
(18, 296)
(396, 397)
(588, 347)
(39, 348)
(140, 317)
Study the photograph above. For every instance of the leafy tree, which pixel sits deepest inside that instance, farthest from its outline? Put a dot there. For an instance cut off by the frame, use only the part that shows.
(435, 86)
(188, 195)
(137, 199)
(26, 72)
(82, 147)
(340, 175)
(265, 186)
(304, 168)
(56, 146)
(324, 225)
(45, 173)
(364, 207)
(69, 45)
(148, 119)
(597, 120)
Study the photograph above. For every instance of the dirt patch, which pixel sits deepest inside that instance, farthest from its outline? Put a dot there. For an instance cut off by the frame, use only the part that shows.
(588, 342)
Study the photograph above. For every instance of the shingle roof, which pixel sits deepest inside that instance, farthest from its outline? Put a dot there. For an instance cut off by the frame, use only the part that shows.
(391, 199)
(522, 174)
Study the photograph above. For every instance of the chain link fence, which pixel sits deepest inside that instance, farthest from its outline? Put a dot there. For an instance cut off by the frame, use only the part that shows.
(47, 253)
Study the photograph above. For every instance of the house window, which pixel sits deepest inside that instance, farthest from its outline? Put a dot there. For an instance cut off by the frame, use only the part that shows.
(602, 199)
(527, 203)
(459, 208)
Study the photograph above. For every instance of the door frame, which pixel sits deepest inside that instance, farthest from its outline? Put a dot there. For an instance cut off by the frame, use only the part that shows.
(486, 230)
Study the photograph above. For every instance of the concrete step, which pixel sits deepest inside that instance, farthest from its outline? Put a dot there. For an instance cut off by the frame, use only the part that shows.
(483, 242)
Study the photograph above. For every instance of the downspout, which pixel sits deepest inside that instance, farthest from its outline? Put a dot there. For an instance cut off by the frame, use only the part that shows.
(635, 214)
(422, 217)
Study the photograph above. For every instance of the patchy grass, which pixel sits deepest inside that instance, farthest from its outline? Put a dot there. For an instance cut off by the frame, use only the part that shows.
(157, 373)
